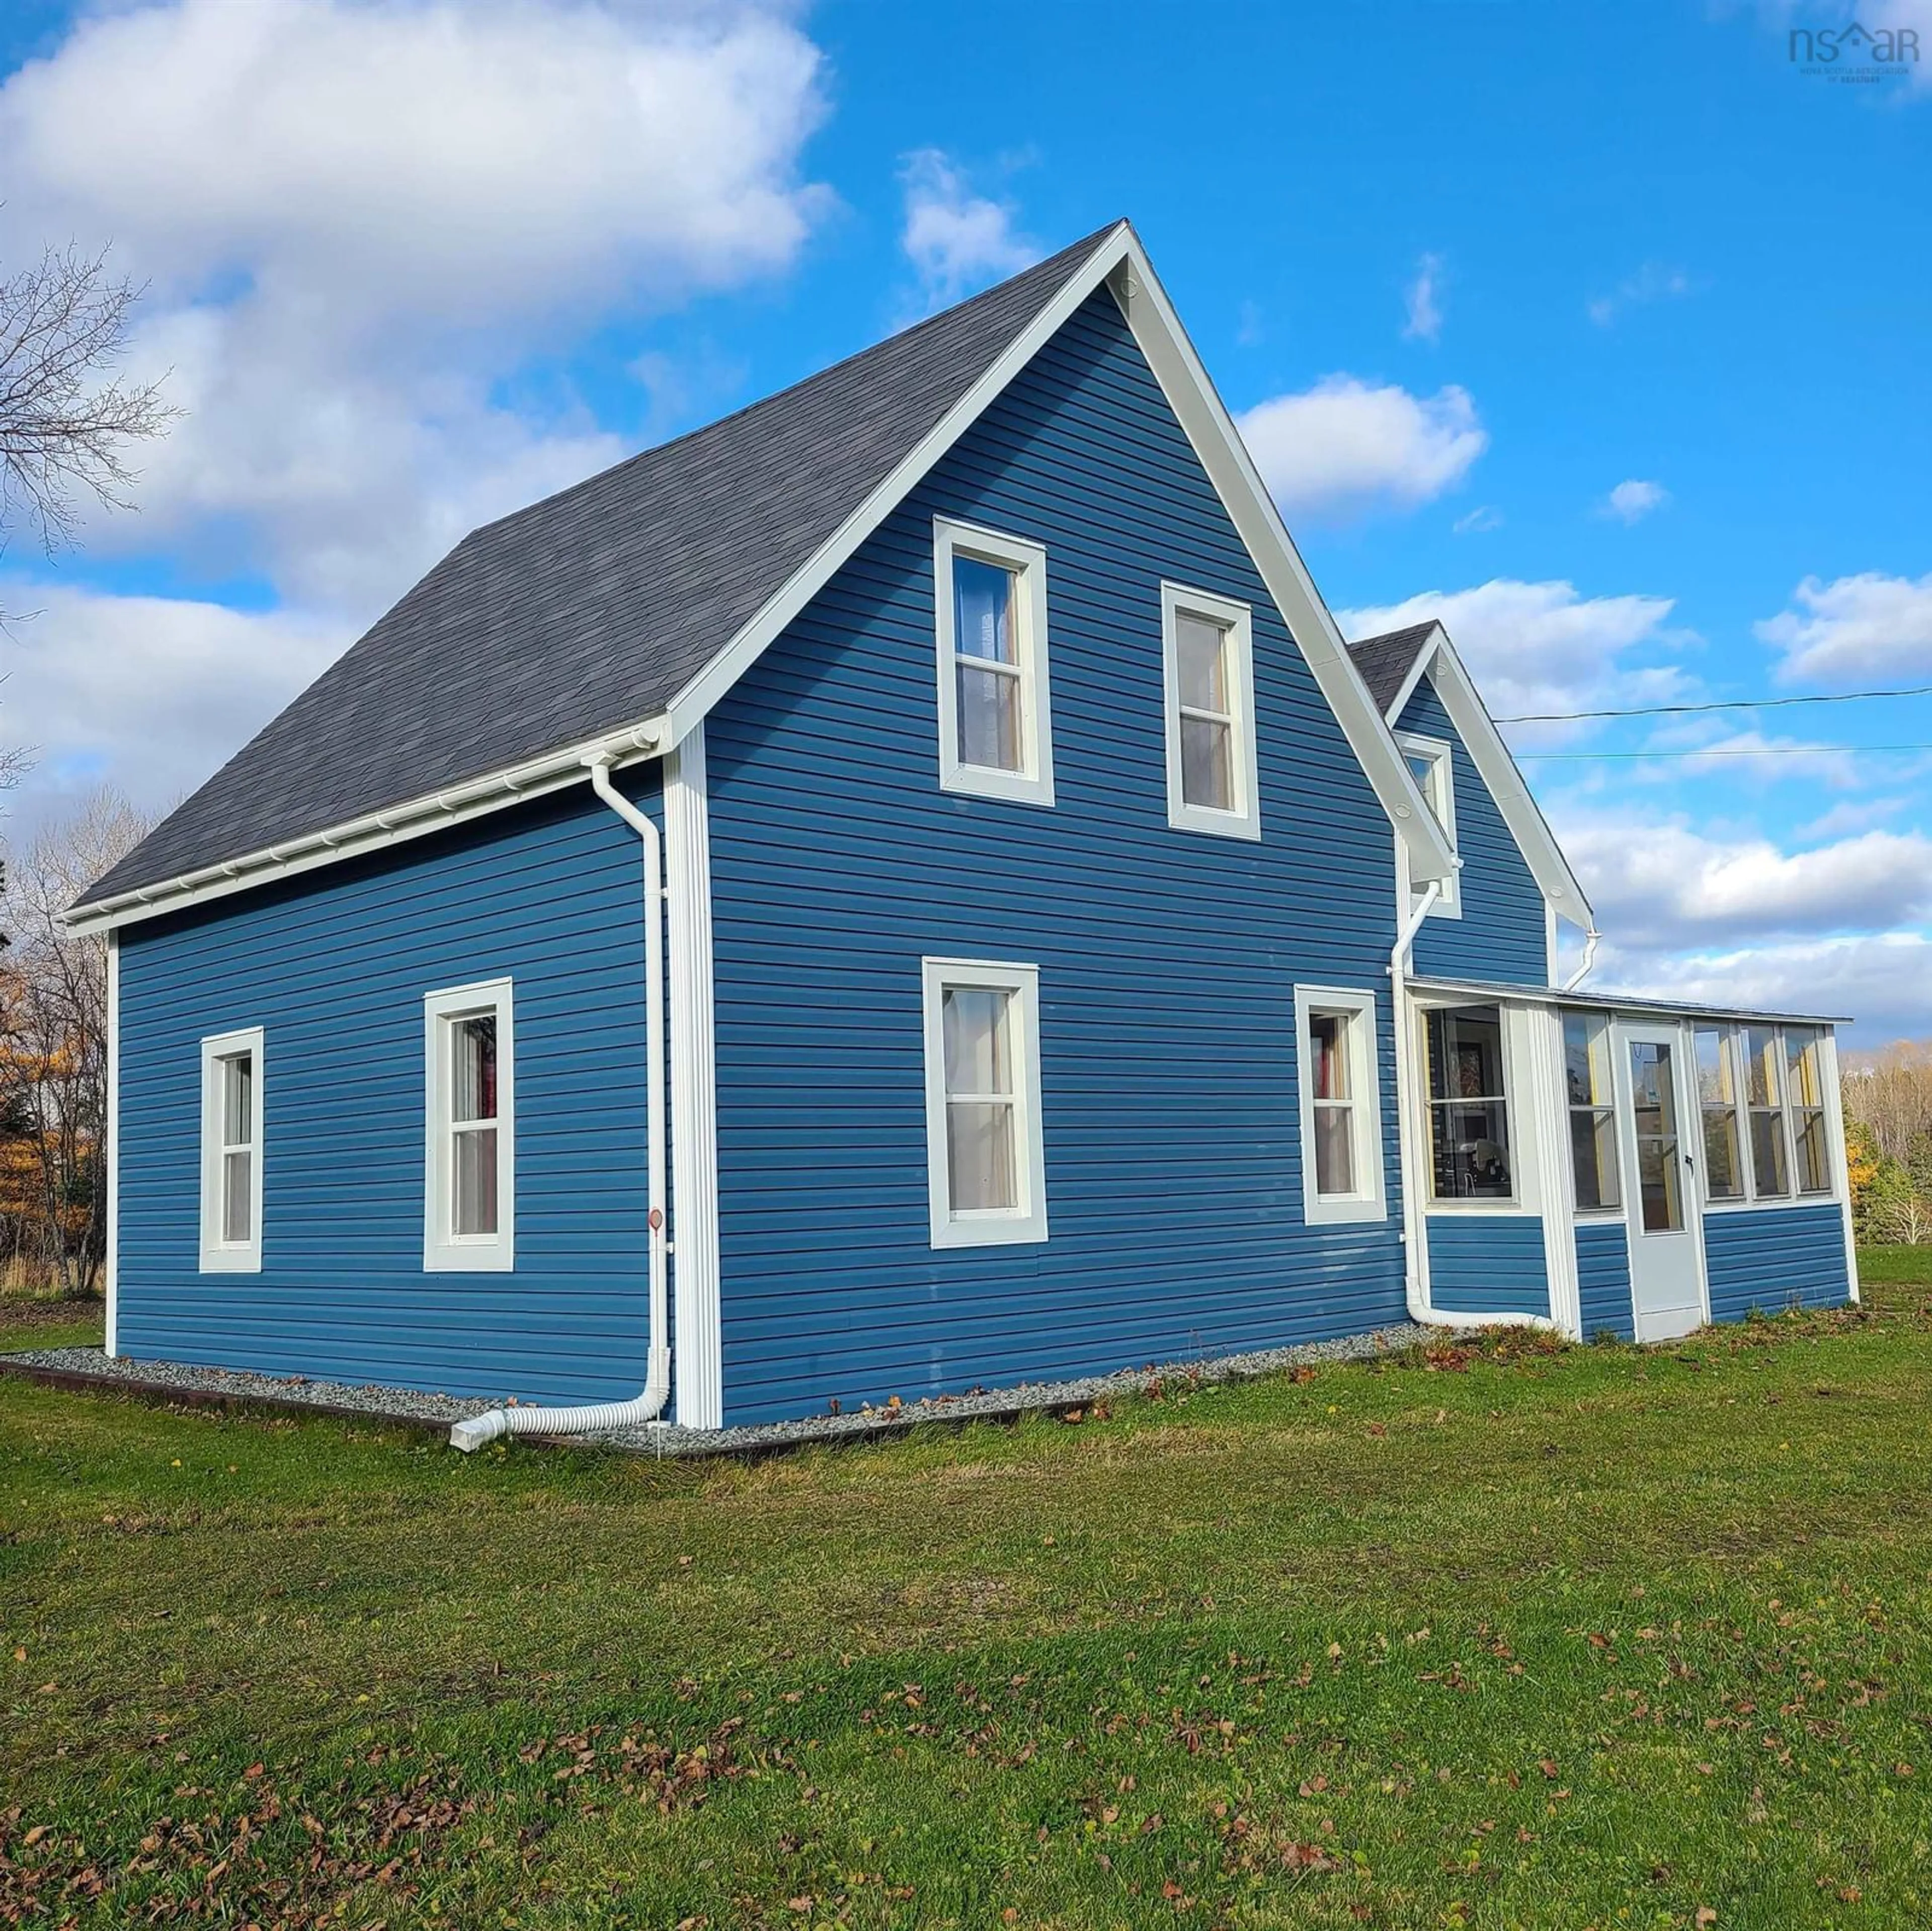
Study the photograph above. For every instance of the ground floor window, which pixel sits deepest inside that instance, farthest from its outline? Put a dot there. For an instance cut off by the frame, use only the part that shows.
(1766, 1128)
(1468, 1105)
(1593, 1120)
(470, 1176)
(231, 1152)
(1341, 1104)
(1717, 1098)
(1804, 1087)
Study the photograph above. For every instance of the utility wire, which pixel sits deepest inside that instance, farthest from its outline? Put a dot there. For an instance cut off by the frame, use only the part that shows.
(1726, 704)
(1755, 751)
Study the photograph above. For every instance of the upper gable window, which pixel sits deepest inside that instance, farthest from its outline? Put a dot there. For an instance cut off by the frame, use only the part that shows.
(1432, 763)
(995, 733)
(1207, 651)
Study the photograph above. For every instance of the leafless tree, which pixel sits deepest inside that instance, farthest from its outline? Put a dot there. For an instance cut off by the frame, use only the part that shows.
(53, 1046)
(66, 420)
(1890, 1090)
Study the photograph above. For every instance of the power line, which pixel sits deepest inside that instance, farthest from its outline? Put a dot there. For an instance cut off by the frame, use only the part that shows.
(1753, 751)
(1725, 704)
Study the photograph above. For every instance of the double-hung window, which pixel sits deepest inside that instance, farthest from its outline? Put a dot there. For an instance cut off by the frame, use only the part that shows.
(1811, 1158)
(995, 727)
(985, 1162)
(1207, 650)
(469, 1159)
(1717, 1097)
(1341, 1104)
(1432, 763)
(1764, 1092)
(1468, 1105)
(231, 1153)
(1593, 1120)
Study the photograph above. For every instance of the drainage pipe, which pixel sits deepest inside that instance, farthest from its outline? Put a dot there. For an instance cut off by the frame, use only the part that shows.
(1414, 1157)
(1583, 972)
(648, 1405)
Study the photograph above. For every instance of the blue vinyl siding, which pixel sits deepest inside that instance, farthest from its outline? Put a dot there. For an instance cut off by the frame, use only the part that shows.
(1603, 1278)
(1168, 959)
(333, 968)
(1771, 1258)
(1487, 1263)
(1502, 934)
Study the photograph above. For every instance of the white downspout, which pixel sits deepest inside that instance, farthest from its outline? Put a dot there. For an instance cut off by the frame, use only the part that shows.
(647, 1406)
(1414, 1157)
(1583, 972)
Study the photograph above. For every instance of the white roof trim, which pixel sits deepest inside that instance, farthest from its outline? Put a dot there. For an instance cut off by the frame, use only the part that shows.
(1437, 660)
(1209, 429)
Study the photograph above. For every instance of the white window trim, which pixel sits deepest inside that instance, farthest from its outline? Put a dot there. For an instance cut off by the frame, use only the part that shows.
(985, 1228)
(1032, 783)
(1835, 1190)
(219, 1256)
(1244, 821)
(1370, 1201)
(1441, 755)
(444, 1251)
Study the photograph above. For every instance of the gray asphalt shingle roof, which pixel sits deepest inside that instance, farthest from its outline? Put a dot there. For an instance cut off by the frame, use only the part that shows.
(592, 609)
(1385, 661)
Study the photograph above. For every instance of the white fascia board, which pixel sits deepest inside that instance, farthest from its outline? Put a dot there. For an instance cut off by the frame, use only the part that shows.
(434, 811)
(1497, 769)
(1419, 670)
(1209, 428)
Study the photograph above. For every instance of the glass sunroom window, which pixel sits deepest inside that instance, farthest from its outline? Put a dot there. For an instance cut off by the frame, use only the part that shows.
(1717, 1098)
(1593, 1125)
(1764, 1090)
(1468, 1106)
(1805, 1087)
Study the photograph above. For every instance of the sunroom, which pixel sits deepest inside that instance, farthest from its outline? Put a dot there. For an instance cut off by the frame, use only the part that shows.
(1621, 1165)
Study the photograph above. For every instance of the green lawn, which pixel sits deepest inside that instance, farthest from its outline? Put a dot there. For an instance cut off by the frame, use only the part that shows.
(1534, 1637)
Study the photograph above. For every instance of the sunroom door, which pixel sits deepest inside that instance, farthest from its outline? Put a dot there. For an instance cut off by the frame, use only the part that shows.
(1666, 1258)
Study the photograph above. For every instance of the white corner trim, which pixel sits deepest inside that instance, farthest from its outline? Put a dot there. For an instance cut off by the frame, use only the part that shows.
(1544, 1094)
(444, 1251)
(1243, 819)
(1370, 1199)
(110, 1265)
(696, 1285)
(1834, 1135)
(218, 1255)
(1504, 782)
(1032, 783)
(985, 1227)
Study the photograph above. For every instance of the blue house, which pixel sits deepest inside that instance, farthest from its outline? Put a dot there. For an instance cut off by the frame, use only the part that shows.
(903, 889)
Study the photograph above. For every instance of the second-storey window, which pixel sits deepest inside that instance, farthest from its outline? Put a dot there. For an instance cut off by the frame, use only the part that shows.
(995, 733)
(1208, 653)
(231, 1152)
(1593, 1121)
(986, 1170)
(469, 1190)
(1432, 763)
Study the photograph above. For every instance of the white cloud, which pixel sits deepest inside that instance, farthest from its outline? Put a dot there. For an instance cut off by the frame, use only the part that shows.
(1424, 321)
(153, 693)
(1541, 647)
(1702, 748)
(1662, 885)
(1631, 501)
(1485, 517)
(1850, 815)
(1655, 281)
(1346, 444)
(1869, 625)
(956, 241)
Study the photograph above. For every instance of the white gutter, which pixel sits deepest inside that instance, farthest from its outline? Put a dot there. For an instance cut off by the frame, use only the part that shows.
(1583, 972)
(1414, 1157)
(647, 1405)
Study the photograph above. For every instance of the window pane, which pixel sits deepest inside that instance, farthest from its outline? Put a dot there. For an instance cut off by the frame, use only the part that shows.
(1465, 1053)
(1470, 1145)
(1767, 1159)
(1800, 1049)
(989, 719)
(238, 1101)
(1715, 1085)
(979, 1155)
(1761, 1081)
(1328, 1054)
(473, 1068)
(1426, 768)
(1586, 1059)
(1200, 651)
(475, 1176)
(1813, 1169)
(1334, 1149)
(1657, 1183)
(1593, 1150)
(1723, 1173)
(238, 1196)
(982, 610)
(976, 1023)
(1207, 772)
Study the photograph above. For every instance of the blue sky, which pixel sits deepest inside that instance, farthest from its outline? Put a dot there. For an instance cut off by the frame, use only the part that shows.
(1600, 330)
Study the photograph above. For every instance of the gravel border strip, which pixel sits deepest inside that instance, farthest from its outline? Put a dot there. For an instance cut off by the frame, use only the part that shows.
(88, 1369)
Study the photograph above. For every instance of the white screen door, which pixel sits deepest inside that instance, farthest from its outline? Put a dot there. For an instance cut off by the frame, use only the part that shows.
(1665, 1243)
